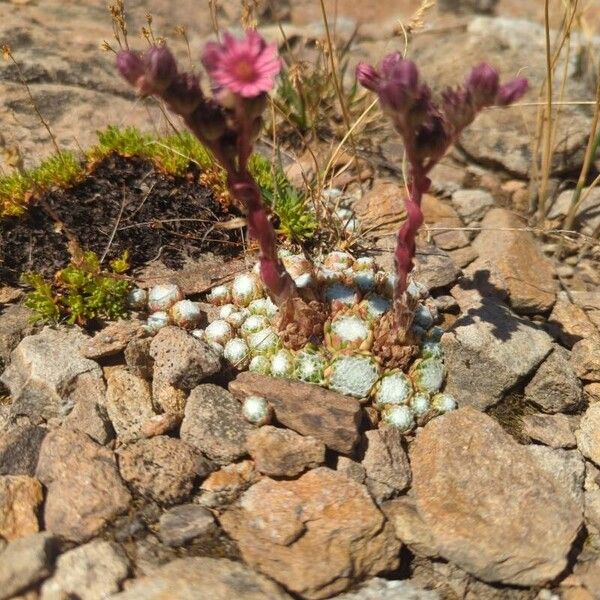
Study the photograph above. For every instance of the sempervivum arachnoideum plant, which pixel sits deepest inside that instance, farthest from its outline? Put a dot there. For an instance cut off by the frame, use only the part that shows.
(427, 128)
(242, 72)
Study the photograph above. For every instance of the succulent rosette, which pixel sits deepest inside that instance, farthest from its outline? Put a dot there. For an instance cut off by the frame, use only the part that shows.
(394, 387)
(310, 366)
(353, 375)
(348, 331)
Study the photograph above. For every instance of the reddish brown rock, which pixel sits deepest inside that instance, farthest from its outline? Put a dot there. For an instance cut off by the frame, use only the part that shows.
(381, 210)
(585, 358)
(84, 487)
(20, 498)
(112, 339)
(305, 408)
(284, 453)
(491, 507)
(316, 535)
(569, 323)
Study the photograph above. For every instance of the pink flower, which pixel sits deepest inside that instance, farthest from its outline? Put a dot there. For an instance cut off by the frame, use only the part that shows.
(247, 67)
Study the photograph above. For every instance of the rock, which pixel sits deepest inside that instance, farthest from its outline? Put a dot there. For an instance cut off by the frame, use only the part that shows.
(167, 397)
(20, 498)
(90, 417)
(434, 268)
(89, 572)
(182, 360)
(161, 424)
(568, 323)
(588, 434)
(316, 535)
(284, 453)
(20, 448)
(565, 466)
(84, 487)
(463, 257)
(351, 469)
(409, 526)
(585, 358)
(213, 423)
(491, 507)
(128, 403)
(225, 485)
(25, 562)
(305, 408)
(592, 392)
(587, 218)
(488, 351)
(592, 496)
(162, 468)
(138, 359)
(47, 375)
(381, 210)
(444, 224)
(183, 523)
(472, 205)
(15, 324)
(386, 464)
(467, 6)
(552, 430)
(384, 589)
(112, 339)
(515, 256)
(555, 387)
(200, 578)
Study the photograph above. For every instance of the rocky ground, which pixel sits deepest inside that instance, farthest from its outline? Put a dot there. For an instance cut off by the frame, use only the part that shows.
(128, 471)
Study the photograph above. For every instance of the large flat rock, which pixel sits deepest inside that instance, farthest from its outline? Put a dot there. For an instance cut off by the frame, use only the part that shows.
(491, 505)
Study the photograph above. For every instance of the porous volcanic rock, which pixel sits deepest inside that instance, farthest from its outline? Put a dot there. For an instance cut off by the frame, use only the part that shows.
(491, 507)
(316, 535)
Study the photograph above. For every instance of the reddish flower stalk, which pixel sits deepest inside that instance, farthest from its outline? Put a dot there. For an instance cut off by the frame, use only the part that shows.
(427, 129)
(228, 123)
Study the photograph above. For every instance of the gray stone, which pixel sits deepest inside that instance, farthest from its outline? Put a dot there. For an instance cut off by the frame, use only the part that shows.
(138, 359)
(585, 358)
(128, 403)
(20, 448)
(592, 497)
(112, 339)
(25, 562)
(386, 464)
(552, 430)
(555, 387)
(84, 487)
(434, 268)
(214, 424)
(384, 589)
(588, 434)
(162, 468)
(587, 218)
(181, 359)
(495, 508)
(89, 572)
(282, 452)
(90, 417)
(47, 375)
(183, 523)
(317, 535)
(472, 205)
(409, 526)
(15, 324)
(201, 578)
(488, 350)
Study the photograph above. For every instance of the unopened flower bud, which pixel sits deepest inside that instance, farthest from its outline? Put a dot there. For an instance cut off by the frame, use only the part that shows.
(512, 91)
(368, 77)
(184, 94)
(130, 66)
(483, 84)
(160, 70)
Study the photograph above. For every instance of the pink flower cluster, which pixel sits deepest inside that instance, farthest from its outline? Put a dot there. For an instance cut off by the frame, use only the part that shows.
(427, 129)
(242, 72)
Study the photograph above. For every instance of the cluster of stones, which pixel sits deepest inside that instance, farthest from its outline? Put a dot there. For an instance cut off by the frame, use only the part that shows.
(357, 294)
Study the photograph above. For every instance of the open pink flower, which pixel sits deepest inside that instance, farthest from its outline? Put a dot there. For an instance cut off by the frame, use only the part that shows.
(247, 67)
